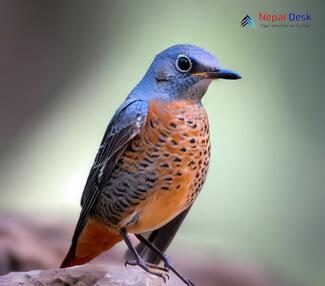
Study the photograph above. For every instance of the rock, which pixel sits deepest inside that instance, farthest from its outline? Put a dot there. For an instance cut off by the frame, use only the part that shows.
(85, 275)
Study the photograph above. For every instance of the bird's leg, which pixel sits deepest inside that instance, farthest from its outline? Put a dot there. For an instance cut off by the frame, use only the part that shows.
(138, 260)
(150, 265)
(166, 259)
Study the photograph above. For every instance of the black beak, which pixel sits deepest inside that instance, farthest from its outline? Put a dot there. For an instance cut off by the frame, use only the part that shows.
(224, 74)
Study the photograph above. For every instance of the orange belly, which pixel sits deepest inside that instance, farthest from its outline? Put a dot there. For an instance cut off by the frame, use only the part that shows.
(180, 131)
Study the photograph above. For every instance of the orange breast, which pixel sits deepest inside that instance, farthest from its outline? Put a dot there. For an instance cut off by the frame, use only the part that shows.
(178, 133)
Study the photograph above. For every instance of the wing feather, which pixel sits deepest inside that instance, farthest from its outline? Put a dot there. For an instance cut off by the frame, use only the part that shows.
(127, 122)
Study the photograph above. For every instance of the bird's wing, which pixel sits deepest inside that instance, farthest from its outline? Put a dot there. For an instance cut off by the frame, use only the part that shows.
(127, 122)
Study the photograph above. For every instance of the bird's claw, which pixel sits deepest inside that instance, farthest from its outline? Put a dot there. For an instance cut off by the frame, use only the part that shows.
(147, 264)
(165, 277)
(146, 267)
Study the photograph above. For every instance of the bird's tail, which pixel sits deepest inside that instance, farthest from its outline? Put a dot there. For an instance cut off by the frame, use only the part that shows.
(93, 240)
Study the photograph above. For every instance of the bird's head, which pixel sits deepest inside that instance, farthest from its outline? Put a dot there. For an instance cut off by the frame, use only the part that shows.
(184, 71)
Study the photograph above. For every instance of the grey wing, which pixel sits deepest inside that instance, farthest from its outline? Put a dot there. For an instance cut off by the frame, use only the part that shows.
(124, 126)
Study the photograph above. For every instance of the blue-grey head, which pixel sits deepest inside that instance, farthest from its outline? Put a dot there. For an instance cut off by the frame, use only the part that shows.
(181, 72)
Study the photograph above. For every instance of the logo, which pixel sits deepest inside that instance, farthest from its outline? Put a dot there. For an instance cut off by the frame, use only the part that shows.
(247, 21)
(264, 17)
(279, 20)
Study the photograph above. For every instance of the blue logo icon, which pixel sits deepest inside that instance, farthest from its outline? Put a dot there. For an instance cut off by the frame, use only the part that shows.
(247, 21)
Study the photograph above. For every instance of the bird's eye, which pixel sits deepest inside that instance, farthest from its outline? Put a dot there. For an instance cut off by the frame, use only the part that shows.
(183, 63)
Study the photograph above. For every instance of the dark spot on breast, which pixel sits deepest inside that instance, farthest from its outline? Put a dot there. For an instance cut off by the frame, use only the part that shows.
(178, 186)
(114, 210)
(164, 165)
(181, 119)
(118, 192)
(122, 203)
(126, 185)
(146, 159)
(164, 188)
(172, 124)
(166, 154)
(177, 159)
(142, 189)
(151, 178)
(154, 155)
(134, 196)
(163, 134)
(179, 173)
(168, 179)
(192, 140)
(174, 142)
(162, 140)
(113, 220)
(183, 149)
(131, 148)
(144, 165)
(155, 148)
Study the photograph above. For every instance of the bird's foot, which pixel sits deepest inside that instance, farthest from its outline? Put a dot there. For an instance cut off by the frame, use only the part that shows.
(146, 267)
(170, 266)
(150, 265)
(168, 263)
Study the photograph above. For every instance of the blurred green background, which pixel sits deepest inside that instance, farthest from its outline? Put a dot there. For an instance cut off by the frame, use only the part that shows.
(67, 65)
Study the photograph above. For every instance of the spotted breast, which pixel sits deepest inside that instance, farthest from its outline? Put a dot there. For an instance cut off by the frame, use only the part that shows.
(162, 170)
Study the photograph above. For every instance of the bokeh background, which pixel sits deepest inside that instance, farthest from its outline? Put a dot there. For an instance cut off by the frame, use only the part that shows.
(67, 65)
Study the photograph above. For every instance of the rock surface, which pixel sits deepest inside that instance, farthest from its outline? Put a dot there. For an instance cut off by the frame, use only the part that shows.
(86, 275)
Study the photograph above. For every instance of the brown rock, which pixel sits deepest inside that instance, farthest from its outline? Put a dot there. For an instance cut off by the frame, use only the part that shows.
(85, 275)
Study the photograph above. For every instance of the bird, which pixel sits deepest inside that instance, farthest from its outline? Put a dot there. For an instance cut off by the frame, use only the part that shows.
(151, 164)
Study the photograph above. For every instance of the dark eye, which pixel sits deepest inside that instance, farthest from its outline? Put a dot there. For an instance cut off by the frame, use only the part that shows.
(183, 63)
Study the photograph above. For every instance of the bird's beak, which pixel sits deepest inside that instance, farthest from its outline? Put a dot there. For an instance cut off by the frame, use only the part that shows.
(219, 73)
